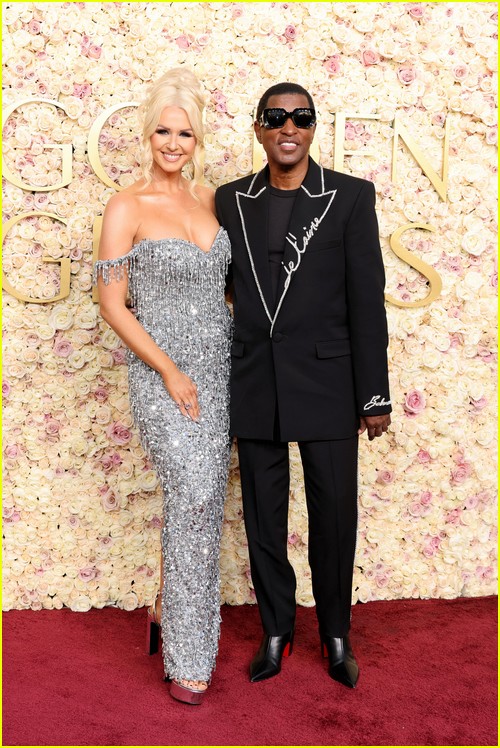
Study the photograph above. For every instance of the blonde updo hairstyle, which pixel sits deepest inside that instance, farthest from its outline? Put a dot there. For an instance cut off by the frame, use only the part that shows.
(180, 88)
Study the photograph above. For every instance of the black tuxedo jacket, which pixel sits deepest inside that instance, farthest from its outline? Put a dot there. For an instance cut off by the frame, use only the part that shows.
(319, 353)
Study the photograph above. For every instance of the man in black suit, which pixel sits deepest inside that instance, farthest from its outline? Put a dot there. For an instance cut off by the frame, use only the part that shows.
(309, 365)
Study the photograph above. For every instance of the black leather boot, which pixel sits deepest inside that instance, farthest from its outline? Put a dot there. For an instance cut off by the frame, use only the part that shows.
(342, 663)
(267, 661)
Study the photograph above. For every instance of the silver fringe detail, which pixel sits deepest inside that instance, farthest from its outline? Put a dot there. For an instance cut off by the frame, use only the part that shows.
(177, 291)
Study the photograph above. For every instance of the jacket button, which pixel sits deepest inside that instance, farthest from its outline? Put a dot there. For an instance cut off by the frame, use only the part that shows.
(277, 337)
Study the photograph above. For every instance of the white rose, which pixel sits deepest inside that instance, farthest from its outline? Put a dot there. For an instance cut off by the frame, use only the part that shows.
(473, 243)
(81, 604)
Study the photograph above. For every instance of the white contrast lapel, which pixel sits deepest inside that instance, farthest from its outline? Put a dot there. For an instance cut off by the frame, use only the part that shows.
(253, 214)
(302, 228)
(309, 211)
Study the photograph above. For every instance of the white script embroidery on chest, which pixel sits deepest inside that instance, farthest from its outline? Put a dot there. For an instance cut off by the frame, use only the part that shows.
(292, 266)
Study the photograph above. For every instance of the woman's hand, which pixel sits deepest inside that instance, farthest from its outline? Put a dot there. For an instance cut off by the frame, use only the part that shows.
(183, 392)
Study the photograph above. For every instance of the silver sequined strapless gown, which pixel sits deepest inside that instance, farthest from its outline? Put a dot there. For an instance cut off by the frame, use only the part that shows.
(177, 291)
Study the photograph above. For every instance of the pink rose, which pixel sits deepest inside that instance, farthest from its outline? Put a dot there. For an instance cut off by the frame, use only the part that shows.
(183, 42)
(406, 75)
(94, 52)
(471, 502)
(415, 10)
(460, 72)
(88, 573)
(107, 463)
(439, 119)
(52, 427)
(460, 473)
(291, 32)
(8, 514)
(350, 131)
(62, 347)
(109, 502)
(155, 523)
(454, 264)
(423, 457)
(484, 572)
(34, 26)
(453, 517)
(81, 90)
(370, 57)
(385, 476)
(118, 433)
(480, 404)
(485, 353)
(456, 340)
(416, 509)
(425, 498)
(6, 388)
(429, 551)
(414, 402)
(292, 538)
(101, 394)
(332, 65)
(119, 356)
(12, 451)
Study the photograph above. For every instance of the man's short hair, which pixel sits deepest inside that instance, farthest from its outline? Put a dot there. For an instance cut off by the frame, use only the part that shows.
(277, 90)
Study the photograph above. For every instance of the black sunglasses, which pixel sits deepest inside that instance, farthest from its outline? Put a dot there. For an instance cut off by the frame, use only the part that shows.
(274, 118)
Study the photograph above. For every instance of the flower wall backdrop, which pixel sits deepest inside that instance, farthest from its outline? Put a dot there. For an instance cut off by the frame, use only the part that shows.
(82, 507)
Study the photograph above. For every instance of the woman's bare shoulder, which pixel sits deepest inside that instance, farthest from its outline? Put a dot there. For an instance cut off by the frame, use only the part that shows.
(127, 200)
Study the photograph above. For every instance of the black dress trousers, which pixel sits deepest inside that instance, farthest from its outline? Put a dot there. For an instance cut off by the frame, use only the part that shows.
(330, 477)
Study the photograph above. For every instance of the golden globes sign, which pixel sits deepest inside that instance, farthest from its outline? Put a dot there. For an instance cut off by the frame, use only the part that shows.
(440, 184)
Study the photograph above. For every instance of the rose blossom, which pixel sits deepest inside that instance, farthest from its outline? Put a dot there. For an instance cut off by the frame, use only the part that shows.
(414, 402)
(370, 57)
(183, 42)
(88, 573)
(93, 52)
(453, 517)
(460, 72)
(110, 502)
(62, 348)
(406, 75)
(460, 473)
(425, 498)
(332, 65)
(423, 457)
(52, 427)
(118, 433)
(385, 476)
(415, 10)
(12, 451)
(101, 394)
(119, 356)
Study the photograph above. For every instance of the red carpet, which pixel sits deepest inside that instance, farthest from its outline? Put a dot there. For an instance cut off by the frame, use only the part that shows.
(428, 677)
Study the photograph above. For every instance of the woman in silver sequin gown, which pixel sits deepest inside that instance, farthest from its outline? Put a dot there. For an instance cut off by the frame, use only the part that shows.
(161, 246)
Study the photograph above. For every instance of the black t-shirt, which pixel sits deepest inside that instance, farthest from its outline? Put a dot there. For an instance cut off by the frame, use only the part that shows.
(280, 211)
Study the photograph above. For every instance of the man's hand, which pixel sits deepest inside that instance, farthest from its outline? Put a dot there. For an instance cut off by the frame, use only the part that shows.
(375, 425)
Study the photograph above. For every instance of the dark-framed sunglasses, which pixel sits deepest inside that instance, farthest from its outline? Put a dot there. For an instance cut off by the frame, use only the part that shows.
(274, 118)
